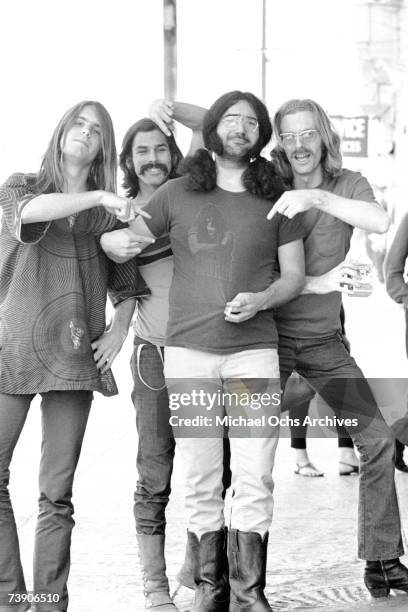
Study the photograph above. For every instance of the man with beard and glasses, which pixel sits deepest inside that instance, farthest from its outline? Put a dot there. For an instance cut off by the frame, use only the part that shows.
(149, 157)
(333, 201)
(206, 350)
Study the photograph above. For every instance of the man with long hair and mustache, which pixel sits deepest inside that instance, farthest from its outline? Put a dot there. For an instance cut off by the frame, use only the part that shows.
(333, 201)
(204, 341)
(149, 157)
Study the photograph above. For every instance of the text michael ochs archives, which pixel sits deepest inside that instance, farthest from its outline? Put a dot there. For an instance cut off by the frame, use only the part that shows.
(196, 404)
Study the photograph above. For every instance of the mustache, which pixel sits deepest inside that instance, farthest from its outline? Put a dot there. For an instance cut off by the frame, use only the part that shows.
(240, 135)
(301, 151)
(153, 166)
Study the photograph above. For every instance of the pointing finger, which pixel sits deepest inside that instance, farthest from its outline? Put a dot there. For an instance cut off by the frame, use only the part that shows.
(142, 213)
(272, 212)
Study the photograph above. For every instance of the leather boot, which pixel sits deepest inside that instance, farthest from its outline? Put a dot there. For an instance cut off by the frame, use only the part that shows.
(185, 574)
(381, 576)
(156, 585)
(210, 569)
(247, 553)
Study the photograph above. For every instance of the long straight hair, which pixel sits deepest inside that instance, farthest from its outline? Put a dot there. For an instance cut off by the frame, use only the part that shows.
(102, 173)
(331, 154)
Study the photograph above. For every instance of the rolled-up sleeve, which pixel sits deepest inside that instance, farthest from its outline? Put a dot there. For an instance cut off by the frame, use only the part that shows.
(125, 282)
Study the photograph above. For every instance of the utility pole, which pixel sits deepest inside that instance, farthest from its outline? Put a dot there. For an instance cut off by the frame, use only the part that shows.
(170, 48)
(263, 51)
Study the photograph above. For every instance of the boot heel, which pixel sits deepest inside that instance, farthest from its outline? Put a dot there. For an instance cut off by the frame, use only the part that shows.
(210, 566)
(247, 553)
(381, 576)
(156, 585)
(379, 591)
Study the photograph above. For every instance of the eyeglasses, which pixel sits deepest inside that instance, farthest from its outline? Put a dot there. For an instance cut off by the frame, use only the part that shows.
(250, 123)
(289, 139)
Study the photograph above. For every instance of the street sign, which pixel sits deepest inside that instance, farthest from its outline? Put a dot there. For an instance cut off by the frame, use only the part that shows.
(353, 132)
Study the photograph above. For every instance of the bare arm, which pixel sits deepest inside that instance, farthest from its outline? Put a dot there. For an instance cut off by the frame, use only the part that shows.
(108, 345)
(292, 267)
(190, 115)
(342, 278)
(369, 216)
(165, 112)
(50, 206)
(196, 142)
(292, 279)
(123, 244)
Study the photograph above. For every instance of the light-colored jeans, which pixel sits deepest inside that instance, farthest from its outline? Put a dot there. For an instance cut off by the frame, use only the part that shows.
(252, 457)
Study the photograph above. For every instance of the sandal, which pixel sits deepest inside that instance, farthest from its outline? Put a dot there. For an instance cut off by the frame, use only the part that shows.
(299, 470)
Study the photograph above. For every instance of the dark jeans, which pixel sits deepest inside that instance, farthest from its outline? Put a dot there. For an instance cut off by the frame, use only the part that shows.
(333, 373)
(156, 446)
(297, 398)
(64, 418)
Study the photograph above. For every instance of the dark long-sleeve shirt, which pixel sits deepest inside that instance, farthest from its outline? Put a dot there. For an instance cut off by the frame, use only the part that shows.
(395, 264)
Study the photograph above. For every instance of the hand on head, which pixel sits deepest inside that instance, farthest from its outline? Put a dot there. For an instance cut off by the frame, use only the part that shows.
(161, 112)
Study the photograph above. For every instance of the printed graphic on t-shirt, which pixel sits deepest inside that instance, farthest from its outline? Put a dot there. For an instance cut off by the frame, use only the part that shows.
(211, 244)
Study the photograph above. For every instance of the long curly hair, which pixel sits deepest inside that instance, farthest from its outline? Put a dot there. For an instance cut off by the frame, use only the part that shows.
(102, 173)
(331, 154)
(130, 179)
(260, 178)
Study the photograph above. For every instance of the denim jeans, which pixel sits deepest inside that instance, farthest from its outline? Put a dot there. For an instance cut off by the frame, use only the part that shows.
(155, 452)
(333, 373)
(156, 441)
(252, 457)
(64, 418)
(297, 398)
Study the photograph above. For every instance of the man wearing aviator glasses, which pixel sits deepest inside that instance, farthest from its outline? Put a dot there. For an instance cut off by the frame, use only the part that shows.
(221, 334)
(306, 137)
(234, 120)
(336, 200)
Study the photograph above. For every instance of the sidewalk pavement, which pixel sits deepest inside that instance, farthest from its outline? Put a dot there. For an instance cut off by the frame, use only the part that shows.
(312, 562)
